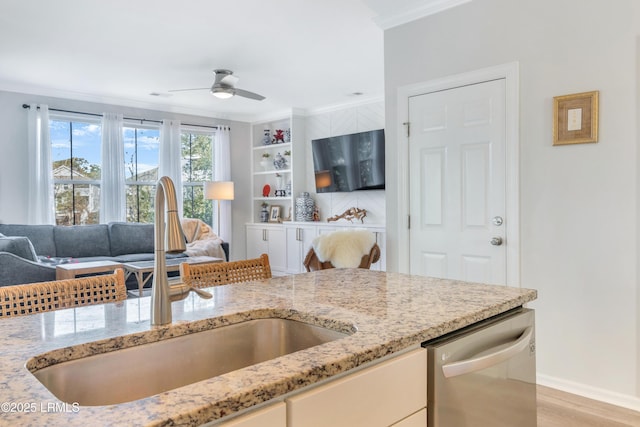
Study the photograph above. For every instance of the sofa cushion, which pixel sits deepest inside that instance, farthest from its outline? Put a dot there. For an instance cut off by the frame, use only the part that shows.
(41, 236)
(131, 238)
(18, 245)
(82, 240)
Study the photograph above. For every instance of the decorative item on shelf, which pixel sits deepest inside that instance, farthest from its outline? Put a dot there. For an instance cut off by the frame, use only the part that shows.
(266, 139)
(279, 185)
(350, 214)
(288, 189)
(264, 213)
(265, 161)
(274, 214)
(278, 138)
(304, 207)
(316, 214)
(288, 218)
(279, 162)
(266, 190)
(287, 135)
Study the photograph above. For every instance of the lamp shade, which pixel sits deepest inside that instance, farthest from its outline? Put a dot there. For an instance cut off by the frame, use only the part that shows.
(323, 179)
(218, 190)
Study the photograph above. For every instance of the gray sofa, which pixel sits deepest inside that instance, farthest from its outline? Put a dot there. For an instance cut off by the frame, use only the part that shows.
(29, 253)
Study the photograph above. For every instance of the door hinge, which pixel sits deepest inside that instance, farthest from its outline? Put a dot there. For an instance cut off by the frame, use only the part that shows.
(408, 126)
(409, 222)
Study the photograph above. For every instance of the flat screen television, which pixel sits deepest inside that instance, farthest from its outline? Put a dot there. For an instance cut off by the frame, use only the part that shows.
(349, 162)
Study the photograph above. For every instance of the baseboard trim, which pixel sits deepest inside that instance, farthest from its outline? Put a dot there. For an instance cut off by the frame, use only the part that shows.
(613, 398)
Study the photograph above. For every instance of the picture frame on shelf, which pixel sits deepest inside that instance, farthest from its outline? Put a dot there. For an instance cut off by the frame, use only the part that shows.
(575, 118)
(274, 213)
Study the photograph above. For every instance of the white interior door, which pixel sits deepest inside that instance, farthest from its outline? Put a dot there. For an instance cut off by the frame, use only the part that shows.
(457, 162)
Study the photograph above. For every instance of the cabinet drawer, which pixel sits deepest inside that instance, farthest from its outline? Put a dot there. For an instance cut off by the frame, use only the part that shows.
(419, 419)
(271, 416)
(377, 396)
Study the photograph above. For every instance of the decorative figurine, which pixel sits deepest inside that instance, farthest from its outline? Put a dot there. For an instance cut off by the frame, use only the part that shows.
(264, 213)
(350, 214)
(278, 138)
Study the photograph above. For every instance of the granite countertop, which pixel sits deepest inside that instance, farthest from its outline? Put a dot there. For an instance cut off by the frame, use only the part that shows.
(390, 311)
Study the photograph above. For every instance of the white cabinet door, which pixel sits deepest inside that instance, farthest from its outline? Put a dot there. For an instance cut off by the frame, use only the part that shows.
(277, 249)
(299, 240)
(270, 240)
(272, 416)
(380, 395)
(257, 243)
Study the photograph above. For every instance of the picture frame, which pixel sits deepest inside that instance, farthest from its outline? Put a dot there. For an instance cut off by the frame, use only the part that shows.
(575, 118)
(274, 214)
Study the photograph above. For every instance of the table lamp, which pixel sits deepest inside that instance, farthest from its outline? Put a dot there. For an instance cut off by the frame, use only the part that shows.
(218, 190)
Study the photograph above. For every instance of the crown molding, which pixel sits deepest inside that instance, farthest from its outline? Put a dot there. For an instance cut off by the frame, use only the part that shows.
(418, 9)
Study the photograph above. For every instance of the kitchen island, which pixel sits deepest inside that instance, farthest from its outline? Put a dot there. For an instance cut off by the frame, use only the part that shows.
(389, 313)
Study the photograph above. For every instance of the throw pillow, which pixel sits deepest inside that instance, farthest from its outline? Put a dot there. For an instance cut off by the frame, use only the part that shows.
(18, 245)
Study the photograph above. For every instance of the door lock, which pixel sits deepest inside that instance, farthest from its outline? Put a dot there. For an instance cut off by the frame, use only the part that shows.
(497, 220)
(496, 241)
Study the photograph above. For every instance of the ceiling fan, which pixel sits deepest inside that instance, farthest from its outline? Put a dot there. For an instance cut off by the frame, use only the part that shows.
(224, 87)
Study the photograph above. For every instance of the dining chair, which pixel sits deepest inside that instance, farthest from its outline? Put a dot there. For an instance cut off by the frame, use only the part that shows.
(204, 275)
(31, 298)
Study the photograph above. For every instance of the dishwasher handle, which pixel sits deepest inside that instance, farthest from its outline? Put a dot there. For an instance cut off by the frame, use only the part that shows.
(476, 364)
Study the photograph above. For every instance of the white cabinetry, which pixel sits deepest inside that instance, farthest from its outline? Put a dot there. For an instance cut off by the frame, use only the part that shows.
(268, 239)
(299, 239)
(382, 395)
(274, 415)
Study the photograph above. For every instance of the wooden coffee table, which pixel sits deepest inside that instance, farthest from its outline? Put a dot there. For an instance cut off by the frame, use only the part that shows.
(73, 269)
(140, 268)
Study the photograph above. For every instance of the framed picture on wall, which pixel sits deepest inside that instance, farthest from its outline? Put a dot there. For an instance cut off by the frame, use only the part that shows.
(274, 214)
(575, 118)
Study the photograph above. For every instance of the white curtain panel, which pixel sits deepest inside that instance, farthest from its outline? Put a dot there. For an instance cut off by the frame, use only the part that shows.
(222, 162)
(170, 156)
(112, 187)
(41, 208)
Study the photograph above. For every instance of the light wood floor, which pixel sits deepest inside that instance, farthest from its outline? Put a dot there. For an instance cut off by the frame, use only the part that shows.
(560, 409)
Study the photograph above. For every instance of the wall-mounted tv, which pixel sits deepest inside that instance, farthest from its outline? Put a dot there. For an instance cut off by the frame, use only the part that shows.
(349, 162)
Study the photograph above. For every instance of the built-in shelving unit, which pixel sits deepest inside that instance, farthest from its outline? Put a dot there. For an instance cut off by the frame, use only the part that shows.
(283, 182)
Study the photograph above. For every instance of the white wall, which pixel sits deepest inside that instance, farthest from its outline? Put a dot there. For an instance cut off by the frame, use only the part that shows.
(13, 154)
(578, 204)
(343, 121)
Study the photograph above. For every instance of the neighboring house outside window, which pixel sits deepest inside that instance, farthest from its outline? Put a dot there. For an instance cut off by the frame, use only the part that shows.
(76, 163)
(141, 153)
(197, 168)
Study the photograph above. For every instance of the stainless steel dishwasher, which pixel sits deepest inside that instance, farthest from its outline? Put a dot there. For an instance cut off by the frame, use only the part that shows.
(484, 375)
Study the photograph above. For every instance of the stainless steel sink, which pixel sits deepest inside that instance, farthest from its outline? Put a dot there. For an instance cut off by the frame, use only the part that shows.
(145, 370)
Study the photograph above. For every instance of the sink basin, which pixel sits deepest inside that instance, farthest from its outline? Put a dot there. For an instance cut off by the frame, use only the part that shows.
(144, 370)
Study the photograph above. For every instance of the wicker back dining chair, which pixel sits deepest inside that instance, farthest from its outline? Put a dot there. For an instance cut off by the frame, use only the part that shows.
(209, 274)
(31, 298)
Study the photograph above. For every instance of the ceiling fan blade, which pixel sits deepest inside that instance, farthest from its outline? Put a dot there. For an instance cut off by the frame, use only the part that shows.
(247, 94)
(185, 90)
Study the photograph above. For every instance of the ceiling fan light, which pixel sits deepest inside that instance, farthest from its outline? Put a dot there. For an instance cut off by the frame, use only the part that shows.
(222, 93)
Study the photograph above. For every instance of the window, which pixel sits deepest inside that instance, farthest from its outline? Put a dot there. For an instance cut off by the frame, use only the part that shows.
(141, 151)
(197, 167)
(76, 163)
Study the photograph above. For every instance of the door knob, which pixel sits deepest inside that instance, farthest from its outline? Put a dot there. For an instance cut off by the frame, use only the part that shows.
(496, 241)
(497, 220)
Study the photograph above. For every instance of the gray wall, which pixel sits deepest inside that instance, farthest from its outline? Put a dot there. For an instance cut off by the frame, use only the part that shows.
(13, 154)
(578, 204)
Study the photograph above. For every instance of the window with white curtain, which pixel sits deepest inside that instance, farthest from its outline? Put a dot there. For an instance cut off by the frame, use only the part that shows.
(197, 168)
(141, 150)
(76, 163)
